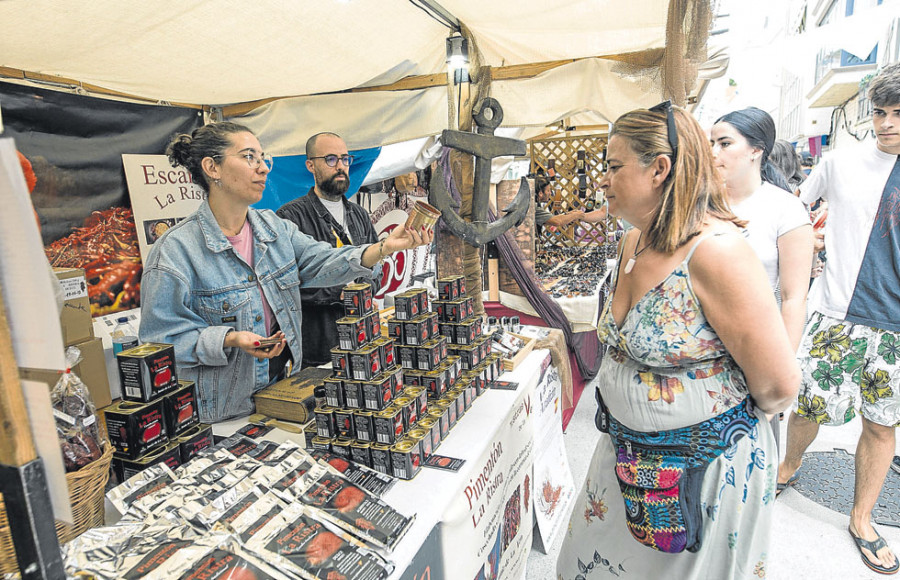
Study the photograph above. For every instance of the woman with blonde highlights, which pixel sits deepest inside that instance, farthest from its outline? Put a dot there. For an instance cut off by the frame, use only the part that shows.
(682, 484)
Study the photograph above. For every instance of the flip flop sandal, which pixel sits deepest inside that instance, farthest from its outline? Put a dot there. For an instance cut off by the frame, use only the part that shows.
(780, 487)
(873, 547)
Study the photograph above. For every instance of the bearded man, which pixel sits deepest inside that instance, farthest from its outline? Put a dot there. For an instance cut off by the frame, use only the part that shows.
(327, 215)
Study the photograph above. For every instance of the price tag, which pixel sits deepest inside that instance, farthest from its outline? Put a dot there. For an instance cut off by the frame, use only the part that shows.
(65, 418)
(73, 288)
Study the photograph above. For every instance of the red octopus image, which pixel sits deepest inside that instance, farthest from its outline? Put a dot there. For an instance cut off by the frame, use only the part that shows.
(322, 547)
(107, 248)
(348, 499)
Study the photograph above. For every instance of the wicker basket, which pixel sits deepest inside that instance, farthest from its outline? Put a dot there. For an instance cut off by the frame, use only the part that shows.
(86, 490)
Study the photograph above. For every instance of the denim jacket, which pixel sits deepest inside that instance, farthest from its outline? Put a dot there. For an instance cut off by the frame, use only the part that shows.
(196, 288)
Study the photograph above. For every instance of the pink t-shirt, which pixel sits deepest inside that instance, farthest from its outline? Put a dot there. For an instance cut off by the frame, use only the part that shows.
(243, 245)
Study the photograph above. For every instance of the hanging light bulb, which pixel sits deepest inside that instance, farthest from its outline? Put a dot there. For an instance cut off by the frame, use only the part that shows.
(457, 53)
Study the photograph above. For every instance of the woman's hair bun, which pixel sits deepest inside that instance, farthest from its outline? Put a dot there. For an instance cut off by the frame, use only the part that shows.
(179, 150)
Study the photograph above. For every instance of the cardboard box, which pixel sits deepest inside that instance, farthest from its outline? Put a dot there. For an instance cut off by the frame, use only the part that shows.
(75, 318)
(103, 327)
(91, 370)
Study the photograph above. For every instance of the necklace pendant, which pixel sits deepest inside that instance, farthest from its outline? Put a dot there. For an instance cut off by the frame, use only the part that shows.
(629, 265)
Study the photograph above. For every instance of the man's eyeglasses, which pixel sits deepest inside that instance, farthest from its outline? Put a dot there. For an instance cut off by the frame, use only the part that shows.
(331, 160)
(253, 160)
(670, 125)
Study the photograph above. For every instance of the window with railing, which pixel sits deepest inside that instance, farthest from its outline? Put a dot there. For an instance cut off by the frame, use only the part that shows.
(863, 108)
(829, 59)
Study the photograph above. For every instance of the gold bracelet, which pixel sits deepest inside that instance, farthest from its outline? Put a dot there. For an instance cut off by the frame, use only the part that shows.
(381, 249)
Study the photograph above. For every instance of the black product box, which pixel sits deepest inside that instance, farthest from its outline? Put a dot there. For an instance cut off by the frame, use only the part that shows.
(136, 428)
(147, 371)
(340, 363)
(353, 332)
(194, 440)
(417, 331)
(406, 306)
(357, 299)
(124, 468)
(180, 409)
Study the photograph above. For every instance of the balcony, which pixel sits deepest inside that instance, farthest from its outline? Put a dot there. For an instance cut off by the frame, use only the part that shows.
(837, 77)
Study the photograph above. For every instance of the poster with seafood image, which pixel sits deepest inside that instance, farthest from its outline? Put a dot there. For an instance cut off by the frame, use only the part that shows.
(554, 488)
(161, 196)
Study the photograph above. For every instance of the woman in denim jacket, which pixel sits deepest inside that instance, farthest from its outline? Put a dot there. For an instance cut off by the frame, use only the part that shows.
(228, 276)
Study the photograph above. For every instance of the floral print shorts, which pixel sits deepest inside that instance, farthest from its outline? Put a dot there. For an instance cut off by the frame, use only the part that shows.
(847, 368)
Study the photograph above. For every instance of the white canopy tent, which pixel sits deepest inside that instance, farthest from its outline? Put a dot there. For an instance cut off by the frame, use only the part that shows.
(548, 61)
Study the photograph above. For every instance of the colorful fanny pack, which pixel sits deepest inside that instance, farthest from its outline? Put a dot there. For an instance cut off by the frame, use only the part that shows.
(660, 474)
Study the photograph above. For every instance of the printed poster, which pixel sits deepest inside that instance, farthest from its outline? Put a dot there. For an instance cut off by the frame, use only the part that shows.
(487, 529)
(554, 488)
(161, 196)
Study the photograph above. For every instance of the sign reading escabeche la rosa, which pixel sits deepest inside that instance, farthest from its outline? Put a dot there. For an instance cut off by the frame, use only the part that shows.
(161, 196)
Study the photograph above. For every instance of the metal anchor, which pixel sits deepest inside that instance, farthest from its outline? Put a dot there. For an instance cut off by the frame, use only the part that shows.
(484, 145)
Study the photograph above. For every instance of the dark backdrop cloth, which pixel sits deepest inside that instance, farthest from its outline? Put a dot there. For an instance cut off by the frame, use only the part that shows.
(75, 144)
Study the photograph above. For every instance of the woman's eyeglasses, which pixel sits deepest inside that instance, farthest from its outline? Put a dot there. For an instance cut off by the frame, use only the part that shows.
(331, 160)
(670, 125)
(253, 160)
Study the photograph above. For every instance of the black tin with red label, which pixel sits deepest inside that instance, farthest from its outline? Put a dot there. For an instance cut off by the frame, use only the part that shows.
(357, 299)
(194, 441)
(365, 363)
(180, 409)
(340, 363)
(147, 371)
(353, 332)
(136, 428)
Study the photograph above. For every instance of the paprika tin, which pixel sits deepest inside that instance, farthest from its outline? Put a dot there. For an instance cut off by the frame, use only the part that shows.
(428, 356)
(334, 392)
(381, 458)
(194, 440)
(361, 452)
(406, 458)
(409, 411)
(365, 363)
(353, 332)
(378, 393)
(322, 444)
(344, 423)
(357, 299)
(147, 371)
(395, 329)
(423, 436)
(420, 396)
(341, 447)
(325, 425)
(180, 409)
(136, 428)
(340, 363)
(365, 425)
(442, 417)
(389, 425)
(417, 331)
(433, 426)
(406, 306)
(353, 398)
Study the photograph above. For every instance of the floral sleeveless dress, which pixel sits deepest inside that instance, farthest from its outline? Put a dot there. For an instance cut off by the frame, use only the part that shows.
(665, 369)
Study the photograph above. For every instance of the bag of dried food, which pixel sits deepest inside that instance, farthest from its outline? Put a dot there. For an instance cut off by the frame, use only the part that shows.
(76, 420)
